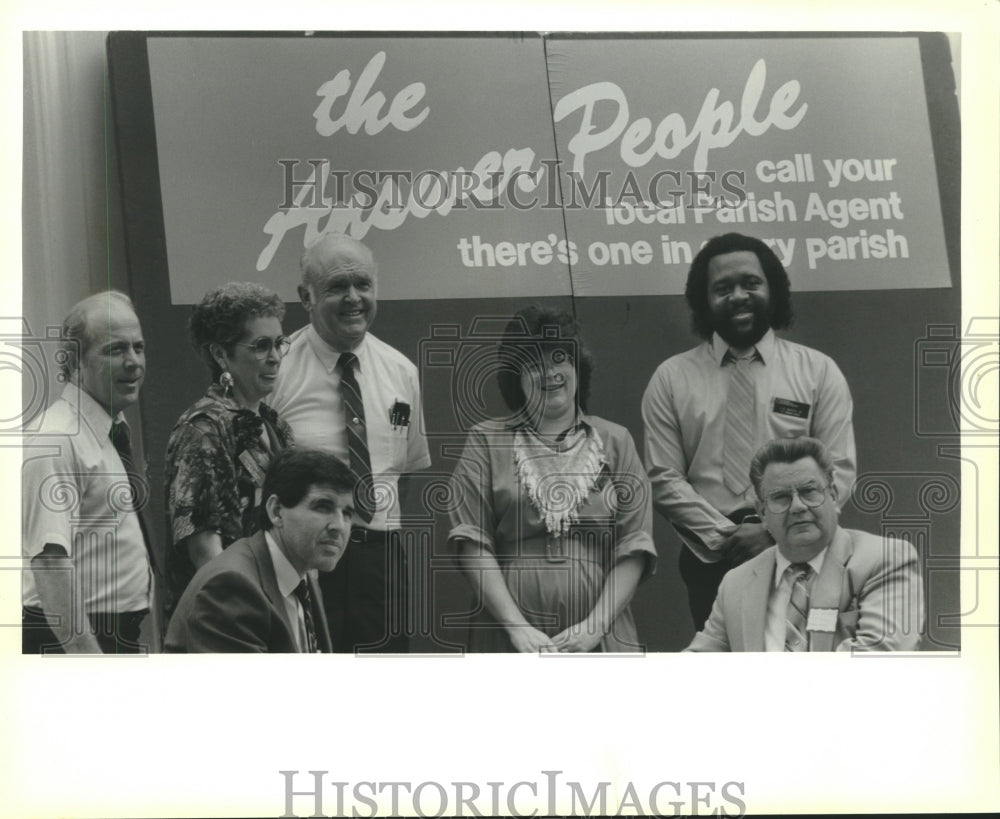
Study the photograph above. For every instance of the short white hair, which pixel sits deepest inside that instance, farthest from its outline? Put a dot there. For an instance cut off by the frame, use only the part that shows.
(77, 331)
(311, 272)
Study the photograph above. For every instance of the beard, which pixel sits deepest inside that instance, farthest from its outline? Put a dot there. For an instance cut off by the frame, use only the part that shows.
(742, 338)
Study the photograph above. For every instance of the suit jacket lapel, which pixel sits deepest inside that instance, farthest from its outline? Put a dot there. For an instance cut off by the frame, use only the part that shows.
(269, 581)
(755, 597)
(827, 590)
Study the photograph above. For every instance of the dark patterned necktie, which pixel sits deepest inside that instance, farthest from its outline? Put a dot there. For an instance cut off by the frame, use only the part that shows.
(741, 417)
(798, 607)
(357, 437)
(121, 438)
(305, 599)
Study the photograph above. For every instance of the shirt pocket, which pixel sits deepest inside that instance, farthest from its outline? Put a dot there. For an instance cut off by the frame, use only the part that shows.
(789, 417)
(387, 446)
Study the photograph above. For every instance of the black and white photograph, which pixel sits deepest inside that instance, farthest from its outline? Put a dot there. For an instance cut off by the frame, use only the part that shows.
(513, 361)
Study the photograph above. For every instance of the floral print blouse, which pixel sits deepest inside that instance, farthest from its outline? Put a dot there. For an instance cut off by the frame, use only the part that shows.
(215, 465)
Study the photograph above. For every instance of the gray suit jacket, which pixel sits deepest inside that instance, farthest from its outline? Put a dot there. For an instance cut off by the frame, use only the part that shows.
(233, 604)
(873, 584)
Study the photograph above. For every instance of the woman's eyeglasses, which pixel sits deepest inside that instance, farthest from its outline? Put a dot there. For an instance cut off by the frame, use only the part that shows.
(262, 347)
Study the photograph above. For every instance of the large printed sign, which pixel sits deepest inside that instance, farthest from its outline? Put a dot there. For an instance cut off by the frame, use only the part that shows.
(480, 167)
(821, 147)
(265, 143)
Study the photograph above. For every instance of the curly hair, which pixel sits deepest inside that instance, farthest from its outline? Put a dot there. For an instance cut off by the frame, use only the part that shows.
(223, 313)
(778, 285)
(526, 333)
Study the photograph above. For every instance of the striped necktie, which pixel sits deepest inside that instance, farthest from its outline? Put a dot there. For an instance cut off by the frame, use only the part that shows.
(305, 599)
(357, 438)
(798, 607)
(739, 436)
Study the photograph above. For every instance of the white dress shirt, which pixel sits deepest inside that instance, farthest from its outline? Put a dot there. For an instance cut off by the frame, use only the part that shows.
(75, 494)
(288, 580)
(307, 396)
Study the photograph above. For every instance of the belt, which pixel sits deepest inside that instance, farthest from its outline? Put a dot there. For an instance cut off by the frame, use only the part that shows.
(361, 535)
(126, 618)
(31, 614)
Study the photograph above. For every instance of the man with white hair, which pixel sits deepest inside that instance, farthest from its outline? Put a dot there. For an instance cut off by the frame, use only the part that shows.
(88, 585)
(343, 390)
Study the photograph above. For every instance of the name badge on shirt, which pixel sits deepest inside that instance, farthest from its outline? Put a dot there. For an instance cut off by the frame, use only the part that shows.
(252, 467)
(785, 406)
(399, 415)
(822, 620)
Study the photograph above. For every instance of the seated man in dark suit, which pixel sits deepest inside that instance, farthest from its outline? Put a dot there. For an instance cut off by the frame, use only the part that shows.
(261, 594)
(820, 588)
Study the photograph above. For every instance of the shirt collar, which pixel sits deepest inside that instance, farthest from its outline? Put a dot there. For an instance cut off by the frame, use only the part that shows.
(329, 357)
(284, 571)
(93, 414)
(218, 393)
(764, 349)
(583, 421)
(781, 563)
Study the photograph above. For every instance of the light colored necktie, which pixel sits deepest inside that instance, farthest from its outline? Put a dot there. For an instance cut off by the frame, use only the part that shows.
(798, 607)
(741, 417)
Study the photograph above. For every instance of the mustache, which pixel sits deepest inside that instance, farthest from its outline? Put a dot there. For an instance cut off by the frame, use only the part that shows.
(745, 305)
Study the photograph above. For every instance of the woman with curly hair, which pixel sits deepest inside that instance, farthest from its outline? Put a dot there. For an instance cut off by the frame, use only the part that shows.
(221, 446)
(552, 514)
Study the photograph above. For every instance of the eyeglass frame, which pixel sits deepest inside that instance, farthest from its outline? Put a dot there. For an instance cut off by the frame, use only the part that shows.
(796, 492)
(280, 345)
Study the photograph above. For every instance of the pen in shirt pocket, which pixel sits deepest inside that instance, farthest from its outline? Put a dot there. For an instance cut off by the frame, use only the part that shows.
(399, 414)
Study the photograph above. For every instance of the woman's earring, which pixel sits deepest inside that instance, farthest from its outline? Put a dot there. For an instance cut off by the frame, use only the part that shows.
(226, 382)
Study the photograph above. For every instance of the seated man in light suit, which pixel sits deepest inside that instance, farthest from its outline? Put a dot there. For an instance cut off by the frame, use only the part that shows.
(260, 594)
(821, 588)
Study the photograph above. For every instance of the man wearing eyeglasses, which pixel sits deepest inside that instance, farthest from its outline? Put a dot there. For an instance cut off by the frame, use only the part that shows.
(821, 587)
(347, 392)
(707, 410)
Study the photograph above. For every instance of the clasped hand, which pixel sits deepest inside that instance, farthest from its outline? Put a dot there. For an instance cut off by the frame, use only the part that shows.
(579, 637)
(744, 541)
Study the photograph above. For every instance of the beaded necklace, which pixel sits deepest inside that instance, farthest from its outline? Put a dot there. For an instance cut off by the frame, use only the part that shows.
(558, 476)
